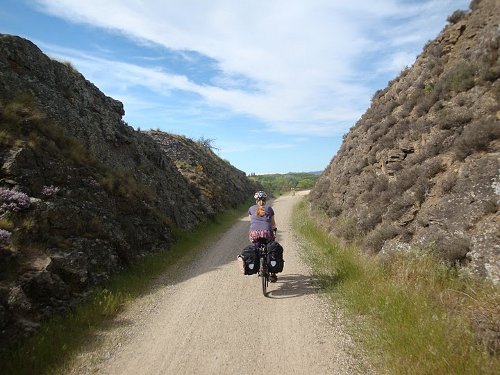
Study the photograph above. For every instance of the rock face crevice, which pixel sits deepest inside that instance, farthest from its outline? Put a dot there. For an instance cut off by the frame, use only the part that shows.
(420, 169)
(82, 194)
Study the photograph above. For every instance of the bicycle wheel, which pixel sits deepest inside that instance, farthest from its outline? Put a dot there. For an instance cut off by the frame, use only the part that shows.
(263, 272)
(265, 280)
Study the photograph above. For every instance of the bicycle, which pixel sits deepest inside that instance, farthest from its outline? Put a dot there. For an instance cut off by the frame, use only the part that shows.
(264, 273)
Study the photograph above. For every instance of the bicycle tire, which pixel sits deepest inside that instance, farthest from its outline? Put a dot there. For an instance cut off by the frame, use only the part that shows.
(263, 271)
(264, 275)
(265, 278)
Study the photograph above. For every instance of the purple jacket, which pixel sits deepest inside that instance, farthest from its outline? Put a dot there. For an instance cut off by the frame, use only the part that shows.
(261, 223)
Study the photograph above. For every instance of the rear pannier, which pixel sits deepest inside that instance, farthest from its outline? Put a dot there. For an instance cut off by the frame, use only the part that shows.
(251, 257)
(275, 262)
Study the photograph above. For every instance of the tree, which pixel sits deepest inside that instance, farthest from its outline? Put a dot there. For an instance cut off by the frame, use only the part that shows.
(208, 143)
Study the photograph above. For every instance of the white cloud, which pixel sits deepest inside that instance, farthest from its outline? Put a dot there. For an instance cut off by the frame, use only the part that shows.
(399, 61)
(302, 57)
(120, 74)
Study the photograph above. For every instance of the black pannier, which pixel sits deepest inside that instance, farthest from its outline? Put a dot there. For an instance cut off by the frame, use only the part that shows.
(251, 257)
(275, 262)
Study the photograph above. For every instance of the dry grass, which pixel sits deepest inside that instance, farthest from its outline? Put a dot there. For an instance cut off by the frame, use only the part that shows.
(412, 313)
(61, 338)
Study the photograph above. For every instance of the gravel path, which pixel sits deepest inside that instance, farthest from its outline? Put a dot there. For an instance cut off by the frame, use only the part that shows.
(209, 319)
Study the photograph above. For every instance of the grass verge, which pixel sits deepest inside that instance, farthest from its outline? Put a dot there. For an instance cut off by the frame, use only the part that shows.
(412, 314)
(61, 338)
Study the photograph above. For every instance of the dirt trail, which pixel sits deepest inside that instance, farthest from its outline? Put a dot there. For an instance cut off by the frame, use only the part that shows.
(210, 319)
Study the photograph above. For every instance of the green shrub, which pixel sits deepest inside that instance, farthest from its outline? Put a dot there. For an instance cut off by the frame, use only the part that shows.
(456, 16)
(332, 208)
(432, 167)
(405, 179)
(421, 189)
(476, 137)
(474, 4)
(458, 79)
(452, 249)
(380, 184)
(426, 103)
(456, 118)
(446, 184)
(372, 216)
(346, 228)
(374, 241)
(398, 207)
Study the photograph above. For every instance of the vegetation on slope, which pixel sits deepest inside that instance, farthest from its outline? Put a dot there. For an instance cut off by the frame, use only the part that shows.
(420, 168)
(213, 181)
(51, 349)
(68, 220)
(66, 180)
(412, 313)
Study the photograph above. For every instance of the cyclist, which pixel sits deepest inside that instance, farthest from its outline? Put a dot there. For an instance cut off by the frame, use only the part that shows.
(262, 224)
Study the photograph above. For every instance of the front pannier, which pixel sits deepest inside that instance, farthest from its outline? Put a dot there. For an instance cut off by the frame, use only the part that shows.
(251, 257)
(275, 262)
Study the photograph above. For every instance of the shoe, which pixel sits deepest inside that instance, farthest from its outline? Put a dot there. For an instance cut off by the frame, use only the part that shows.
(273, 278)
(241, 264)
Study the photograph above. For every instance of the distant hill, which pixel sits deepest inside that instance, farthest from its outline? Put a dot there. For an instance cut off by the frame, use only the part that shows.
(420, 169)
(316, 172)
(281, 183)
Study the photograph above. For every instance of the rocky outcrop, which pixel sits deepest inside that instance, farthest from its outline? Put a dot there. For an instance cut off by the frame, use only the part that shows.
(214, 181)
(420, 169)
(82, 194)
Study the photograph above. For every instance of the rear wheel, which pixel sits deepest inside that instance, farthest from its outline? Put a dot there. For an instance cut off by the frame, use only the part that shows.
(265, 281)
(264, 275)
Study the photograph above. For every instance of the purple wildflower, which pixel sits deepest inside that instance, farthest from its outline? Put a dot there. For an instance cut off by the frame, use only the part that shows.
(13, 201)
(49, 191)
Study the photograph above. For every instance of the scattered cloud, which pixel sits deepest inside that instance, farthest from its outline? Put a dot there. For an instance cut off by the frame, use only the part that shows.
(294, 65)
(284, 62)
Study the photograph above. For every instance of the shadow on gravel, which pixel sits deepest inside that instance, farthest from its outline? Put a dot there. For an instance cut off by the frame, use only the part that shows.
(293, 285)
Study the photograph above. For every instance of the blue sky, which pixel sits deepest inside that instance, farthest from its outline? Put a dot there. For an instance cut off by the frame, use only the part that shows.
(274, 84)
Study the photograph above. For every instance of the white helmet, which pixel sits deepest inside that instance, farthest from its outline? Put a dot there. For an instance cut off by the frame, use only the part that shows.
(260, 195)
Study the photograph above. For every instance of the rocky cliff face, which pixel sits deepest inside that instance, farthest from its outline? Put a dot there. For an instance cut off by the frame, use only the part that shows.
(215, 182)
(82, 194)
(420, 169)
